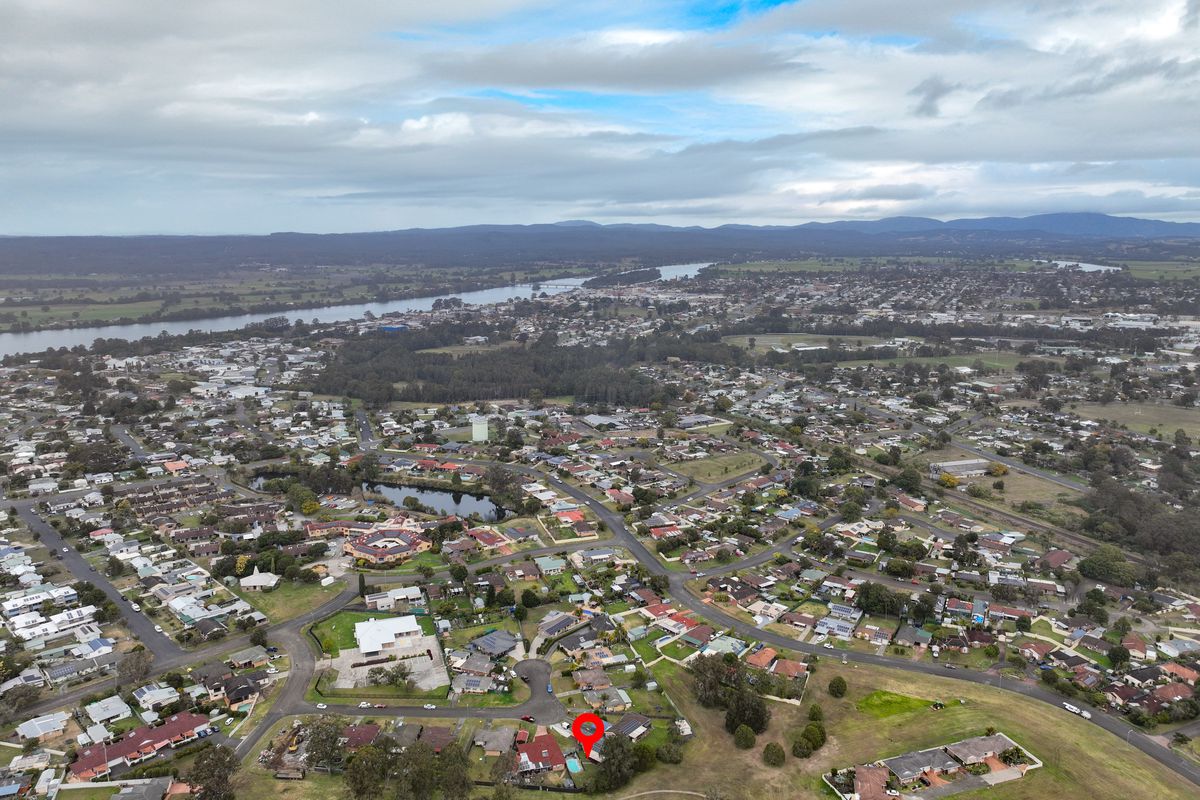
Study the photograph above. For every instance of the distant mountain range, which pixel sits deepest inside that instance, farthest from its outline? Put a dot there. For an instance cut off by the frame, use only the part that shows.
(1074, 236)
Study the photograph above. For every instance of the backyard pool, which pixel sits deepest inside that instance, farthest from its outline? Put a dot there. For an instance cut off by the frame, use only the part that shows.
(573, 765)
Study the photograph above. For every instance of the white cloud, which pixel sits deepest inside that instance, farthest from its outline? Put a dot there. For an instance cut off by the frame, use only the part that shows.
(133, 115)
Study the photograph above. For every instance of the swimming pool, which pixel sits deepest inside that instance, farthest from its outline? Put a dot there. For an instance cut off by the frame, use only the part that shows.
(573, 765)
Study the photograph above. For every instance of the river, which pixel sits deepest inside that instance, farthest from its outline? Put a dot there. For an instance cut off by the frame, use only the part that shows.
(37, 341)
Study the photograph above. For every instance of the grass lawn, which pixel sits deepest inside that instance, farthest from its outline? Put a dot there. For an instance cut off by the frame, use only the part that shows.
(1005, 361)
(717, 468)
(256, 783)
(1082, 760)
(291, 599)
(645, 648)
(678, 650)
(882, 704)
(86, 792)
(1141, 417)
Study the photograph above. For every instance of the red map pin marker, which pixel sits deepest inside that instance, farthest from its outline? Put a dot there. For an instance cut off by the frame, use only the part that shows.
(586, 738)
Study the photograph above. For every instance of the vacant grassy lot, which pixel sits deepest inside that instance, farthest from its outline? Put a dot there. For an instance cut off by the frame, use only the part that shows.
(717, 468)
(1081, 759)
(291, 599)
(993, 359)
(1164, 270)
(1141, 417)
(87, 792)
(882, 704)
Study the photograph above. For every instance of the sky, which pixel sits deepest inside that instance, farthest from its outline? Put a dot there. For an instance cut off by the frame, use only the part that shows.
(228, 116)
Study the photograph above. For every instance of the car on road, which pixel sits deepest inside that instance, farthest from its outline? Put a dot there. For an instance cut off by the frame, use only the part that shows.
(1085, 713)
(528, 718)
(364, 704)
(549, 689)
(429, 706)
(322, 706)
(66, 549)
(949, 666)
(380, 705)
(158, 629)
(272, 671)
(828, 645)
(135, 606)
(1071, 708)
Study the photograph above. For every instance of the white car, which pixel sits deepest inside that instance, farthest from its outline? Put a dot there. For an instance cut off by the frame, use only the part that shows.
(66, 549)
(272, 671)
(828, 645)
(229, 721)
(158, 629)
(364, 704)
(322, 706)
(135, 606)
(429, 706)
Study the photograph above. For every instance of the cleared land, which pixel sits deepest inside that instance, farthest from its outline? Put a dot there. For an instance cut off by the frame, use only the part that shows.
(1081, 759)
(290, 600)
(717, 468)
(1141, 417)
(764, 341)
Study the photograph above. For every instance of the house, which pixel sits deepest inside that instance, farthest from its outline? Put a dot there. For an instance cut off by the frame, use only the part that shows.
(909, 767)
(404, 597)
(138, 745)
(356, 736)
(154, 696)
(1035, 651)
(870, 783)
(436, 737)
(1180, 672)
(259, 581)
(47, 725)
(110, 709)
(250, 657)
(762, 659)
(595, 679)
(495, 644)
(541, 754)
(495, 741)
(374, 636)
(550, 565)
(635, 726)
(471, 684)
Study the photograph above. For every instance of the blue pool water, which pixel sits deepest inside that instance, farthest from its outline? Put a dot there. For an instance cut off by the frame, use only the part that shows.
(573, 765)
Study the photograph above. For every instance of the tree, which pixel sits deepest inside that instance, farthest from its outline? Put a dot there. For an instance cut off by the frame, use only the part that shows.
(815, 714)
(454, 776)
(530, 599)
(367, 771)
(837, 687)
(115, 567)
(814, 732)
(362, 585)
(643, 756)
(744, 738)
(747, 708)
(618, 766)
(323, 748)
(134, 666)
(1118, 655)
(211, 776)
(16, 700)
(258, 637)
(458, 572)
(801, 748)
(773, 755)
(909, 479)
(416, 772)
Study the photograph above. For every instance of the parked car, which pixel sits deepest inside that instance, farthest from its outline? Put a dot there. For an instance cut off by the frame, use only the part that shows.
(66, 549)
(364, 704)
(322, 706)
(380, 705)
(158, 629)
(429, 706)
(528, 718)
(135, 607)
(828, 645)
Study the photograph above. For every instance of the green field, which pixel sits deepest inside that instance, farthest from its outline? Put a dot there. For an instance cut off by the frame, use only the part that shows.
(1003, 361)
(291, 599)
(1141, 417)
(882, 704)
(717, 468)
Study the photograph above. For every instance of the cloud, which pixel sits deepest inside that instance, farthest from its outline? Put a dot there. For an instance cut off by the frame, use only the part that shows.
(130, 116)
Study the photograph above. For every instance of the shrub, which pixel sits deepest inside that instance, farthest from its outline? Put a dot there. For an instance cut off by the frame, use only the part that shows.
(837, 687)
(814, 732)
(815, 714)
(773, 755)
(669, 753)
(744, 737)
(801, 748)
